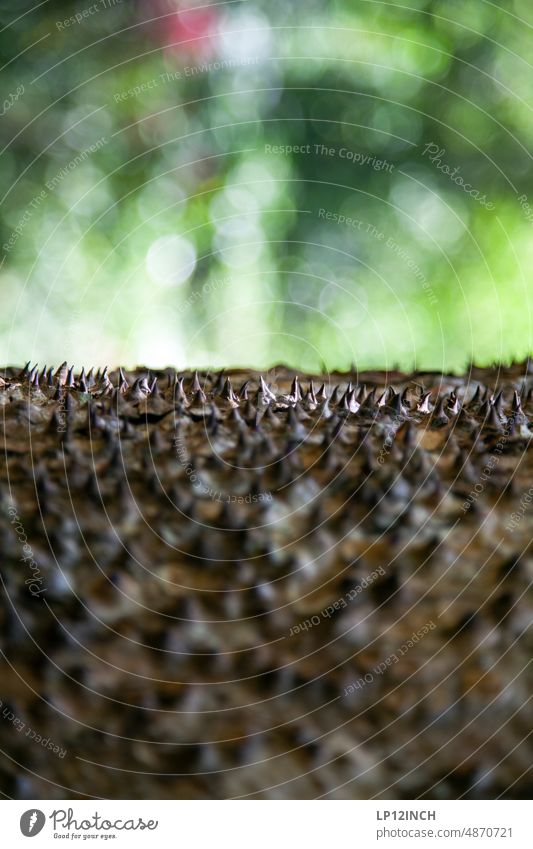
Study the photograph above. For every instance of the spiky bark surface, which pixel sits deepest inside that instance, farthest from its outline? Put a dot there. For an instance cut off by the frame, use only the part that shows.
(276, 590)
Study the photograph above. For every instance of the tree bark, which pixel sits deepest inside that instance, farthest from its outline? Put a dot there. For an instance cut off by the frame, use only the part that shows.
(278, 586)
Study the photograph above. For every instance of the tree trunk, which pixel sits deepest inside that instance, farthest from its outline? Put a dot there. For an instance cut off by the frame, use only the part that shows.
(219, 586)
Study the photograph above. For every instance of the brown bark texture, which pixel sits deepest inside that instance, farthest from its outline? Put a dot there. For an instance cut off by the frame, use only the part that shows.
(269, 586)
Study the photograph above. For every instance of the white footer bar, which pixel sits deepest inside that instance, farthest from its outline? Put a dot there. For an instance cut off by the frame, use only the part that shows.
(267, 824)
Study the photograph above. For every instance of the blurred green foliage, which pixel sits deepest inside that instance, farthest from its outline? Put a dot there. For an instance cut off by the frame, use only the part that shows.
(172, 182)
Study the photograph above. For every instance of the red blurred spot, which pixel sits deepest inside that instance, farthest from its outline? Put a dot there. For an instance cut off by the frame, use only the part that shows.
(190, 32)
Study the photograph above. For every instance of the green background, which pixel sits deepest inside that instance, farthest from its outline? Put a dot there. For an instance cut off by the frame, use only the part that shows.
(158, 225)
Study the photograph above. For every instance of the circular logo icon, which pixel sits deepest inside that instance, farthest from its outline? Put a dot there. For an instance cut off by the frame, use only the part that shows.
(32, 822)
